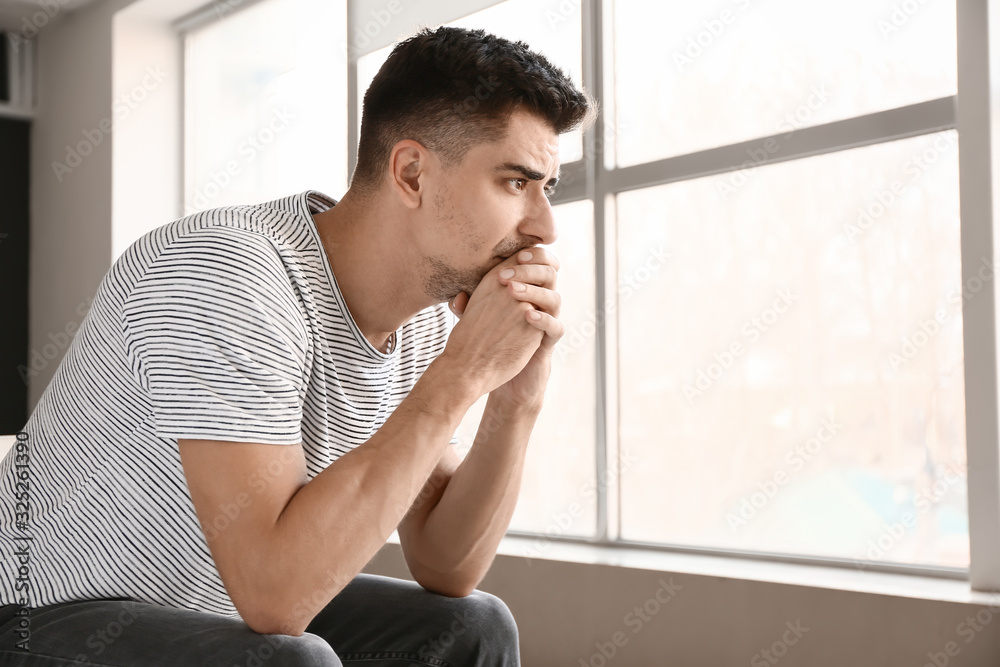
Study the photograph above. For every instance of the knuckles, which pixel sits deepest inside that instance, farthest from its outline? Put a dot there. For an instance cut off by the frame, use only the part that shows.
(556, 301)
(558, 330)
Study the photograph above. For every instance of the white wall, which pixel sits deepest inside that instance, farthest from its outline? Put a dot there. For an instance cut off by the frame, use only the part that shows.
(567, 612)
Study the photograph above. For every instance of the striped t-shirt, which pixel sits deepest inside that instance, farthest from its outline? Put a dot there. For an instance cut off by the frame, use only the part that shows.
(226, 325)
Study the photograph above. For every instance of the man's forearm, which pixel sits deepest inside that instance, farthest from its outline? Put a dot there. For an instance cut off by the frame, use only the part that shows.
(458, 540)
(334, 524)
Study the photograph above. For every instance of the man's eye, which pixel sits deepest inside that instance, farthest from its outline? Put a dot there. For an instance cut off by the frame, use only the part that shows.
(518, 183)
(550, 192)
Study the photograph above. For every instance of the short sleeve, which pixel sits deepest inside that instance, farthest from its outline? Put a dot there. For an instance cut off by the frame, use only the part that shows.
(215, 334)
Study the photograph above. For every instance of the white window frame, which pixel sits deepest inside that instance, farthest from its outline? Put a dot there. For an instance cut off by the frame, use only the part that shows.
(977, 106)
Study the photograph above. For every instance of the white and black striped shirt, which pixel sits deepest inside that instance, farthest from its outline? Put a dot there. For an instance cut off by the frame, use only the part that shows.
(226, 325)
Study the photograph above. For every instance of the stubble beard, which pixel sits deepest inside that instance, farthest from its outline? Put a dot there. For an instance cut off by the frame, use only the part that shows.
(445, 281)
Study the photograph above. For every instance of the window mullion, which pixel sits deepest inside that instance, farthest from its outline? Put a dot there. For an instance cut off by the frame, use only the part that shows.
(606, 422)
(891, 125)
(978, 78)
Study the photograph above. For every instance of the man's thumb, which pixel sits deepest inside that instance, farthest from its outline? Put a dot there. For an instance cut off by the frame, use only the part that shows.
(458, 303)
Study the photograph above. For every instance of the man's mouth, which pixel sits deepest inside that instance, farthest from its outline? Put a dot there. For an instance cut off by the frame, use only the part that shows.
(504, 258)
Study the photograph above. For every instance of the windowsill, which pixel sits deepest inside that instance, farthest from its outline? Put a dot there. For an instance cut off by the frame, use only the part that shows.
(789, 574)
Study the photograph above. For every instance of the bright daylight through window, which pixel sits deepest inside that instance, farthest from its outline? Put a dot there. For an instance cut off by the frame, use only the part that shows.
(792, 380)
(256, 124)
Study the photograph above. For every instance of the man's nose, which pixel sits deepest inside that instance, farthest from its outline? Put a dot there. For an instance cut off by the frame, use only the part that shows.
(540, 221)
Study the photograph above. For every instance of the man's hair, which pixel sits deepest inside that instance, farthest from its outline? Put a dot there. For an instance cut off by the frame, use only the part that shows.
(452, 88)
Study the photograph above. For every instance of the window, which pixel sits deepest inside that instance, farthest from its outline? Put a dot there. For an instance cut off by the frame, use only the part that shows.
(762, 264)
(265, 109)
(732, 70)
(806, 368)
(792, 377)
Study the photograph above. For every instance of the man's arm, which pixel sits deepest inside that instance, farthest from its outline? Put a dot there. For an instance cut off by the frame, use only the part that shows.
(451, 533)
(293, 545)
(286, 550)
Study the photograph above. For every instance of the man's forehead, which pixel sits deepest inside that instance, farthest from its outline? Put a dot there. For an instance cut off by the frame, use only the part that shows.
(530, 129)
(537, 153)
(527, 141)
(547, 164)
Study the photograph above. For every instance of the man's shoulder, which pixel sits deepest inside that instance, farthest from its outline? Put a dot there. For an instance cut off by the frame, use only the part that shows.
(280, 227)
(279, 222)
(248, 234)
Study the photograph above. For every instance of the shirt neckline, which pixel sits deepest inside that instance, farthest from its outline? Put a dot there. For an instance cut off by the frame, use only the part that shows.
(313, 201)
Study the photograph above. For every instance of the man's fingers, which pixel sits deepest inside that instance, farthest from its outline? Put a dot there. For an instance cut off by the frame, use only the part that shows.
(542, 275)
(543, 299)
(538, 255)
(552, 327)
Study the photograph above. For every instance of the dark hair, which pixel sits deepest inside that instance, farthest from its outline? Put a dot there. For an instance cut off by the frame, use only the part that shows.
(452, 88)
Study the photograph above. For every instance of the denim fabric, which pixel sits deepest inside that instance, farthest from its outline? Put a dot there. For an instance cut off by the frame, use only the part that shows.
(375, 621)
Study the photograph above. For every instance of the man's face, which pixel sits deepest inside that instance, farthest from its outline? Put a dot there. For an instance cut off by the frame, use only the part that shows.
(491, 205)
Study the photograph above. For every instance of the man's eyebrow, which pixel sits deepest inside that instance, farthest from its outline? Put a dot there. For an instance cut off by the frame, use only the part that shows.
(528, 173)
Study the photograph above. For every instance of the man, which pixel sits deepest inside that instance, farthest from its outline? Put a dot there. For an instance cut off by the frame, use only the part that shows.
(260, 395)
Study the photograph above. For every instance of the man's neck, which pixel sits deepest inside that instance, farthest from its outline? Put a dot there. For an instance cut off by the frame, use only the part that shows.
(381, 285)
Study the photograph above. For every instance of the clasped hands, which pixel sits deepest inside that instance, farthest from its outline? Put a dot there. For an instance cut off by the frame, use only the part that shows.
(513, 315)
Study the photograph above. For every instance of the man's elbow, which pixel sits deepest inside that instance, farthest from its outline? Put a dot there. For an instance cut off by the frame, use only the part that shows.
(447, 584)
(453, 578)
(266, 615)
(448, 591)
(268, 622)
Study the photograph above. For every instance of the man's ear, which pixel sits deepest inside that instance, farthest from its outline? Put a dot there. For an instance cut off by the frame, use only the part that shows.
(408, 163)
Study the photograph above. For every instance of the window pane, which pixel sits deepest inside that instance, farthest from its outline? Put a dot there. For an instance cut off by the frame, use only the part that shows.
(792, 380)
(726, 71)
(558, 495)
(257, 125)
(556, 34)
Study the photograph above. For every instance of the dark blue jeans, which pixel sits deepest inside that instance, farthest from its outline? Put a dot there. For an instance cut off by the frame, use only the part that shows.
(375, 621)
